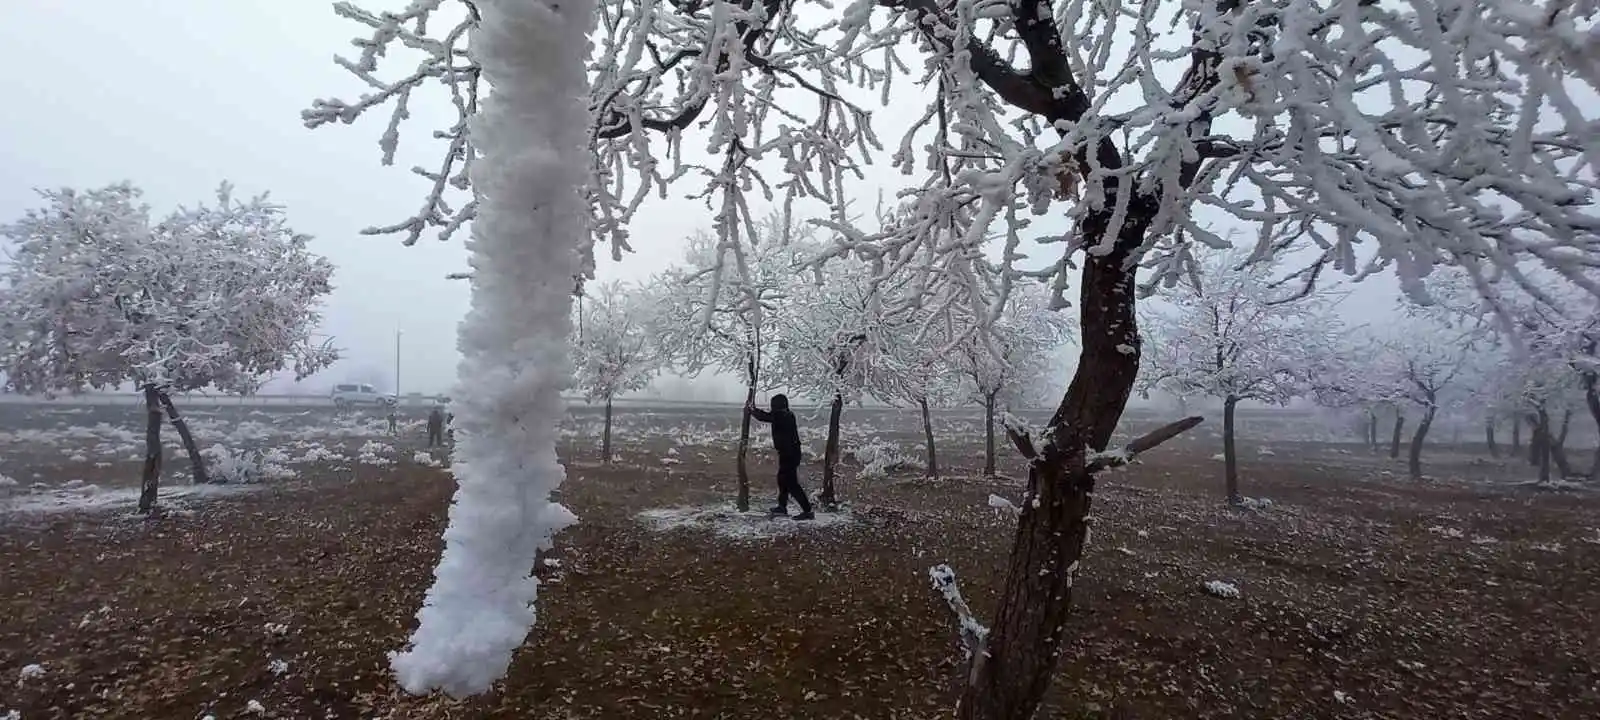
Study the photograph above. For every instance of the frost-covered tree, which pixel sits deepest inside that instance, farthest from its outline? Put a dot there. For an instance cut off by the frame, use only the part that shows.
(727, 323)
(1416, 363)
(1228, 332)
(97, 295)
(1001, 362)
(916, 369)
(614, 354)
(1375, 135)
(829, 344)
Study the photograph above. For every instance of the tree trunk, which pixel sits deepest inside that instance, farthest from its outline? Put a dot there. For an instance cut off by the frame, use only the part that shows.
(1516, 436)
(988, 435)
(605, 436)
(1540, 440)
(1538, 423)
(1414, 461)
(1009, 675)
(927, 431)
(830, 453)
(744, 451)
(1591, 399)
(1372, 431)
(197, 463)
(1488, 438)
(1394, 441)
(1558, 446)
(1230, 456)
(150, 479)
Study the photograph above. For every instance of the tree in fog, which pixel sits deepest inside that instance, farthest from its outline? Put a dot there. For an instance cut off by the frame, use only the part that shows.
(1420, 364)
(97, 295)
(1372, 136)
(614, 354)
(1000, 363)
(918, 371)
(1228, 332)
(707, 320)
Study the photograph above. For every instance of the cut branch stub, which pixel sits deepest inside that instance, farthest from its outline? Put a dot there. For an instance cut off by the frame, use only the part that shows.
(1122, 456)
(974, 636)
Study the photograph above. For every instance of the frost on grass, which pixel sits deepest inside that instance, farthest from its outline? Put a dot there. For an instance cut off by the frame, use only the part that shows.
(80, 497)
(1222, 589)
(531, 137)
(727, 522)
(32, 671)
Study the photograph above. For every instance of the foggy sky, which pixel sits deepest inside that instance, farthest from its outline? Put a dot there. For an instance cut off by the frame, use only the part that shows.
(177, 95)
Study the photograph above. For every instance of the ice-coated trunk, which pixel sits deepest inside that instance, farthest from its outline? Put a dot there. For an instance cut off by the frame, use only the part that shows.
(1414, 459)
(1230, 455)
(988, 435)
(1394, 441)
(605, 436)
(1008, 679)
(1488, 438)
(830, 453)
(927, 432)
(743, 457)
(150, 478)
(532, 136)
(197, 462)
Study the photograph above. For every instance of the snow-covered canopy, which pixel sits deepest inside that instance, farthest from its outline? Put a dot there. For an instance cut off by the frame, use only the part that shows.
(97, 295)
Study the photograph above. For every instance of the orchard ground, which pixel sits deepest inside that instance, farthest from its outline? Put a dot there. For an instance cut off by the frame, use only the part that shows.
(1360, 594)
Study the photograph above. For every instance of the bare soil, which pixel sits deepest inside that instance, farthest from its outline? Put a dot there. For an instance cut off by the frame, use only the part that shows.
(1363, 595)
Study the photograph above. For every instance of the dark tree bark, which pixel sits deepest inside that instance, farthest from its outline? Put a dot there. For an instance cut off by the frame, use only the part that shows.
(197, 463)
(1372, 431)
(150, 479)
(1516, 436)
(1394, 441)
(1538, 424)
(988, 435)
(1414, 461)
(1488, 438)
(830, 453)
(1540, 443)
(1008, 676)
(605, 436)
(743, 456)
(1591, 400)
(927, 431)
(1558, 446)
(1230, 456)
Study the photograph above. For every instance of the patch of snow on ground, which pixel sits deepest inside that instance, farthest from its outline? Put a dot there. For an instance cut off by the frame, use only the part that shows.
(423, 457)
(30, 672)
(729, 523)
(1222, 589)
(92, 498)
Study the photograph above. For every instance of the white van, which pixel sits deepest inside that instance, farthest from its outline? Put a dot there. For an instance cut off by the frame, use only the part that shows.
(351, 394)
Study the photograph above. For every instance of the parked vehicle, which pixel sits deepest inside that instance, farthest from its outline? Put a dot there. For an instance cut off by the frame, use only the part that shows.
(347, 395)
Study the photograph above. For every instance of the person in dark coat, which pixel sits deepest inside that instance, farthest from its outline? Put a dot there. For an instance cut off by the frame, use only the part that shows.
(436, 427)
(785, 440)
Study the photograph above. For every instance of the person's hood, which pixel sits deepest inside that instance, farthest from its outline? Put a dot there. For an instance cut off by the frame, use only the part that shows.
(780, 402)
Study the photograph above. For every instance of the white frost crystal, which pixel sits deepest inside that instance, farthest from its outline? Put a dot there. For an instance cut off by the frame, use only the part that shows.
(515, 362)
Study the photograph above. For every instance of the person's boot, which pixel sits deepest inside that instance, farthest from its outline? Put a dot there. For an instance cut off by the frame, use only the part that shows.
(805, 515)
(780, 510)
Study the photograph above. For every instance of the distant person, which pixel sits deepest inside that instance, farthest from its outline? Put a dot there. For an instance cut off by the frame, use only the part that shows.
(436, 427)
(394, 420)
(786, 440)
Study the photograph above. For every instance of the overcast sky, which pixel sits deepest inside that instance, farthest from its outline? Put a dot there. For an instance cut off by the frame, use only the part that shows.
(177, 95)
